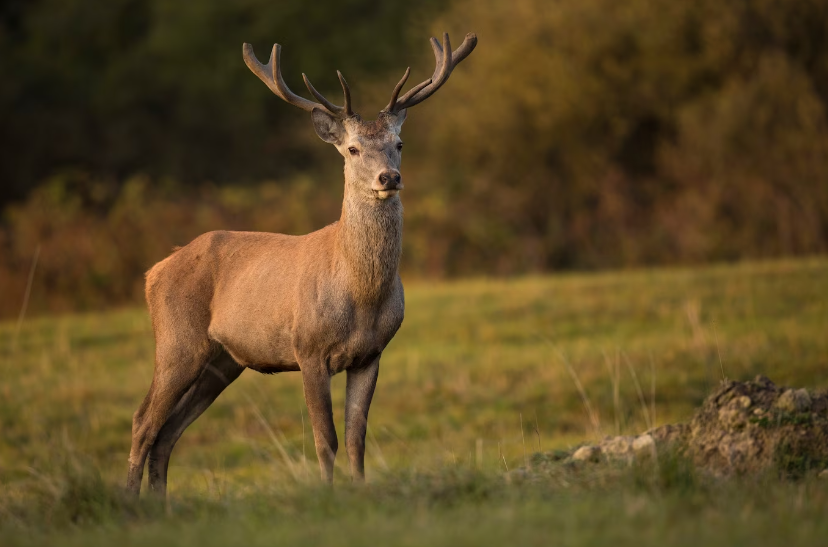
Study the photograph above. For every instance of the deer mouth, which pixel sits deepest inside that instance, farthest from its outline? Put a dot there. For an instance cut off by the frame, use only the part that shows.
(387, 192)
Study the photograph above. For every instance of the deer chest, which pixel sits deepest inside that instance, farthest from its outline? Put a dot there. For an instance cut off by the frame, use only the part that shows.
(345, 334)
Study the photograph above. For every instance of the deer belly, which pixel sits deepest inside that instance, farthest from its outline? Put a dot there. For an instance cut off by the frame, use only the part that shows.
(275, 368)
(265, 361)
(268, 354)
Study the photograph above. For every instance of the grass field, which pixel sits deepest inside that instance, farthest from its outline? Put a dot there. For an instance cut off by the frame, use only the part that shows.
(482, 375)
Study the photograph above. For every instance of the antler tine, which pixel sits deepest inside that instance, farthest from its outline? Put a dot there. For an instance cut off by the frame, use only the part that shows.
(271, 75)
(346, 92)
(397, 89)
(413, 92)
(442, 58)
(440, 54)
(445, 61)
(260, 70)
(319, 97)
(337, 110)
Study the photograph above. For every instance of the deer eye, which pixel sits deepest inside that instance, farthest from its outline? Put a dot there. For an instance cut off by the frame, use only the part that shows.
(399, 146)
(353, 151)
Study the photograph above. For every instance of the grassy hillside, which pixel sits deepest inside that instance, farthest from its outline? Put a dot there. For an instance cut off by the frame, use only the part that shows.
(482, 375)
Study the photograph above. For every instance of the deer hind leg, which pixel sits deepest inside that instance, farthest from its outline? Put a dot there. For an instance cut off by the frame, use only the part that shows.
(176, 370)
(214, 378)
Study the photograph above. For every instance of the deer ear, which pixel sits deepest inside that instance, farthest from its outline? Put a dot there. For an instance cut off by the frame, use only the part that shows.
(399, 119)
(328, 128)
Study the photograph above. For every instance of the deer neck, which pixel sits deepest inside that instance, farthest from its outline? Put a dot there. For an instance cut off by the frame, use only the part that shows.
(369, 241)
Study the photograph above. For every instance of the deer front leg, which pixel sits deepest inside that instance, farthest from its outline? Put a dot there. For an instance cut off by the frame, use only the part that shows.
(317, 387)
(358, 395)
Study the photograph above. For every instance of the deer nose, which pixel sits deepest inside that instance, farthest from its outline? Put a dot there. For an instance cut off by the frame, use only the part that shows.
(390, 180)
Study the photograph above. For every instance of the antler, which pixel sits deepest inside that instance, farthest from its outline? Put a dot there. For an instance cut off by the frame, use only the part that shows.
(445, 59)
(271, 75)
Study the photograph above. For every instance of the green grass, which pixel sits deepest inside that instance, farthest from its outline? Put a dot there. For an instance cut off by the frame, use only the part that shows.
(473, 361)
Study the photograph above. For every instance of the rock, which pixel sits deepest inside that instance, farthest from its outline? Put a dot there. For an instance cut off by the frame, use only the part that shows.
(738, 449)
(763, 381)
(753, 427)
(743, 402)
(643, 443)
(732, 418)
(734, 414)
(586, 453)
(669, 434)
(794, 400)
(741, 428)
(618, 446)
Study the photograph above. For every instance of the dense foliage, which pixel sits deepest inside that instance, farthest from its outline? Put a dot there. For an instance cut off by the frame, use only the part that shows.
(120, 87)
(606, 133)
(579, 134)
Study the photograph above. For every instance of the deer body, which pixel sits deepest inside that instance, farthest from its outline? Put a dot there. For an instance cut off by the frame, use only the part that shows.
(334, 293)
(323, 303)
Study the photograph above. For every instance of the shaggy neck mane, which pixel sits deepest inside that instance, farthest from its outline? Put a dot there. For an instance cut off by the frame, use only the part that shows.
(369, 239)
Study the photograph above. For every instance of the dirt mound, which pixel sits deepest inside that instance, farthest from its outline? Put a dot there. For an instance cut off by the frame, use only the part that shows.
(742, 428)
(748, 427)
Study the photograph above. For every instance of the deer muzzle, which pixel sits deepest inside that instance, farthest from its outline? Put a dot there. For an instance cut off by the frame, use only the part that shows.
(387, 184)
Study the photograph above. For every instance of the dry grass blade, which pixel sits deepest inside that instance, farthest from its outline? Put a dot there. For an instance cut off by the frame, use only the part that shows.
(291, 465)
(304, 453)
(615, 378)
(376, 450)
(644, 409)
(502, 457)
(26, 296)
(594, 420)
(652, 390)
(523, 441)
(537, 432)
(718, 351)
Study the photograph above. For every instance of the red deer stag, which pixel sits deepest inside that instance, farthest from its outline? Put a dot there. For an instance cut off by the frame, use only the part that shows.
(322, 303)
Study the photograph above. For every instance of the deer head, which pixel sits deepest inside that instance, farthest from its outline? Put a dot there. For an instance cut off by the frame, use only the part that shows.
(372, 148)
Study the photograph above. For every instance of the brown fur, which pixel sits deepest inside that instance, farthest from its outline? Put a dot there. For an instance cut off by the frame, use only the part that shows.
(322, 303)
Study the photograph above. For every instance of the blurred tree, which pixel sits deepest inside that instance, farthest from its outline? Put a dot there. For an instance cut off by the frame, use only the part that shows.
(577, 131)
(156, 86)
(579, 134)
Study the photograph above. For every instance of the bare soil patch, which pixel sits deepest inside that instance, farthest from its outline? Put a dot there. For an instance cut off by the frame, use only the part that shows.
(741, 428)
